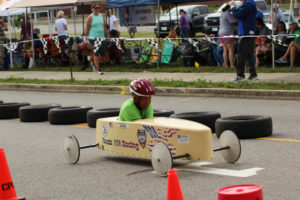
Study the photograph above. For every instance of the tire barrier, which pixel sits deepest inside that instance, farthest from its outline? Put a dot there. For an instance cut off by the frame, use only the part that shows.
(36, 113)
(93, 115)
(206, 118)
(246, 126)
(11, 110)
(162, 113)
(68, 115)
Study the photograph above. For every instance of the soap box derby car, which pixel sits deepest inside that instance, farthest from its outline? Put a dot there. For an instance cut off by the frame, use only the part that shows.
(162, 139)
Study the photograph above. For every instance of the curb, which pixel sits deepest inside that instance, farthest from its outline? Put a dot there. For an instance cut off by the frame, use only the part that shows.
(160, 91)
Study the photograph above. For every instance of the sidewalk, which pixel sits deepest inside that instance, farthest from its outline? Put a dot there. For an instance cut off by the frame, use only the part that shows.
(160, 91)
(214, 77)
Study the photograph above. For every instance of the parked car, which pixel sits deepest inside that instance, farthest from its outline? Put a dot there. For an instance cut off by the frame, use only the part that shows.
(195, 13)
(212, 20)
(288, 19)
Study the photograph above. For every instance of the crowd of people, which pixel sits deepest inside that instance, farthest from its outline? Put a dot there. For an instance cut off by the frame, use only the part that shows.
(248, 51)
(249, 22)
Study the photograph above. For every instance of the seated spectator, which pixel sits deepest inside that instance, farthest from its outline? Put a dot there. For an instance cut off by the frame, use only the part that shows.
(218, 54)
(262, 43)
(294, 47)
(116, 51)
(281, 32)
(27, 52)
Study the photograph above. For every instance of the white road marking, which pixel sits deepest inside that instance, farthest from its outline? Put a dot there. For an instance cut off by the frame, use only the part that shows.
(198, 167)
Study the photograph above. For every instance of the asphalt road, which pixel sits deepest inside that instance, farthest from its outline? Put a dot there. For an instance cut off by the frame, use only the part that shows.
(34, 152)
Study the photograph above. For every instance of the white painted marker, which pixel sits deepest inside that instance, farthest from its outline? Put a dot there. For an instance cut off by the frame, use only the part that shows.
(198, 167)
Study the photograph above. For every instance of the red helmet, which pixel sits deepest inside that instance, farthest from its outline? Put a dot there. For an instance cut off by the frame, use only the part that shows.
(142, 87)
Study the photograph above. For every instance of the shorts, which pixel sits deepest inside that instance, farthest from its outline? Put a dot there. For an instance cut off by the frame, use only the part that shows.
(225, 40)
(100, 51)
(131, 29)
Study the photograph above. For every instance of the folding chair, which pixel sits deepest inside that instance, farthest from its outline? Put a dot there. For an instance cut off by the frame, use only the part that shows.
(167, 52)
(145, 53)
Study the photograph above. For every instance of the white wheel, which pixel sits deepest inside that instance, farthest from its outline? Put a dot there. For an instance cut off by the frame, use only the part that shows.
(229, 139)
(161, 159)
(71, 149)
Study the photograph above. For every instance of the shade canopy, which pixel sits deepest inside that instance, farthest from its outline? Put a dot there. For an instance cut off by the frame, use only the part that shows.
(50, 3)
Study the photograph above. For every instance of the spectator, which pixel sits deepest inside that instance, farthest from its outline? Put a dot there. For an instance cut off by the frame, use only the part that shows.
(262, 43)
(116, 50)
(95, 28)
(3, 28)
(294, 47)
(281, 32)
(184, 24)
(132, 31)
(61, 27)
(227, 27)
(259, 14)
(246, 14)
(25, 28)
(218, 53)
(112, 21)
(277, 15)
(27, 52)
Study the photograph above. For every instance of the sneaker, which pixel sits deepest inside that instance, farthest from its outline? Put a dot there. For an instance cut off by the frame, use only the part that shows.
(281, 61)
(292, 66)
(253, 78)
(238, 79)
(99, 72)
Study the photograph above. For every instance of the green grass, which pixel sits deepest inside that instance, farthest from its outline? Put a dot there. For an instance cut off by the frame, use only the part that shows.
(164, 83)
(171, 68)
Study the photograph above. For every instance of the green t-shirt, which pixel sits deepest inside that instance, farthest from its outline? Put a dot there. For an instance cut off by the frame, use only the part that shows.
(129, 112)
(297, 39)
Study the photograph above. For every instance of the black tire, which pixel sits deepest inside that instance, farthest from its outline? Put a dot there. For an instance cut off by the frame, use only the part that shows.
(206, 118)
(93, 115)
(68, 115)
(36, 113)
(162, 113)
(246, 126)
(1, 101)
(11, 110)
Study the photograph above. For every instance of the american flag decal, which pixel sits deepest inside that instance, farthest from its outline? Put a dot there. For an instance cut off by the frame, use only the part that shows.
(151, 131)
(161, 136)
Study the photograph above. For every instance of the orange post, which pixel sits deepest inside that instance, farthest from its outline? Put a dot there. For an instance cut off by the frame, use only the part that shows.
(174, 190)
(7, 189)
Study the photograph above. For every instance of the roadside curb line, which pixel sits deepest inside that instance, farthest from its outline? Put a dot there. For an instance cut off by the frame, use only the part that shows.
(160, 91)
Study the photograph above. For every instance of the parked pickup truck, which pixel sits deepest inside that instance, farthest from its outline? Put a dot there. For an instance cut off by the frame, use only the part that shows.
(212, 20)
(195, 13)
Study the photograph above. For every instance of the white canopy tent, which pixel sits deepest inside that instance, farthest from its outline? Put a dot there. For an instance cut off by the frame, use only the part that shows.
(15, 11)
(50, 3)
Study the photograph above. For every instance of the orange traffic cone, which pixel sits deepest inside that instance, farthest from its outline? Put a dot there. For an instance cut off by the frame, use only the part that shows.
(7, 190)
(174, 190)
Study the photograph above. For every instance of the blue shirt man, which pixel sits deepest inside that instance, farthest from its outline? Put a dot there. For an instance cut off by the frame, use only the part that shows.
(246, 14)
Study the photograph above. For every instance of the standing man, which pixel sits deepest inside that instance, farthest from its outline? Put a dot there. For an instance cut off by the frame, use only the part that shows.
(277, 15)
(246, 15)
(3, 28)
